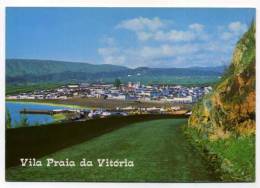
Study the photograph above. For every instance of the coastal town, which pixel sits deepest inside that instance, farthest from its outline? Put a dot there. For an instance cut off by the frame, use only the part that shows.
(125, 92)
(157, 95)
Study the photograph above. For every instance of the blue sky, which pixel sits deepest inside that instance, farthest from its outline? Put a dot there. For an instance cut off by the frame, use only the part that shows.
(133, 37)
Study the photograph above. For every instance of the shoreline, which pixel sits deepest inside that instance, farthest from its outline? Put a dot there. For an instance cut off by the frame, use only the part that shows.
(44, 103)
(56, 118)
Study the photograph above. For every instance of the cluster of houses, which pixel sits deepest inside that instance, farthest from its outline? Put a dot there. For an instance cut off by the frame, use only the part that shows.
(85, 114)
(131, 91)
(101, 113)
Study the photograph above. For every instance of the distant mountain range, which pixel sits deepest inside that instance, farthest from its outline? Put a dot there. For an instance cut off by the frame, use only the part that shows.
(21, 71)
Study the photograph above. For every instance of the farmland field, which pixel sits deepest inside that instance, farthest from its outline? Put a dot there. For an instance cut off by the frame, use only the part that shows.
(157, 147)
(101, 103)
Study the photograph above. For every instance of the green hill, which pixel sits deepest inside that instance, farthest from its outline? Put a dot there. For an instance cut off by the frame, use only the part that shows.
(223, 123)
(24, 71)
(21, 67)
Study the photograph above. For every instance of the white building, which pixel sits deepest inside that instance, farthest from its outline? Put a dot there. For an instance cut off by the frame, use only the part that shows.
(73, 86)
(187, 99)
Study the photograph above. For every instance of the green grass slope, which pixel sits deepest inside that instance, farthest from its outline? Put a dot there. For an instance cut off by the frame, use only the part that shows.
(158, 148)
(38, 141)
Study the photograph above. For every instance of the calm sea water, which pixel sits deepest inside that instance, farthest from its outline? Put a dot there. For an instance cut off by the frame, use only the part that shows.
(33, 119)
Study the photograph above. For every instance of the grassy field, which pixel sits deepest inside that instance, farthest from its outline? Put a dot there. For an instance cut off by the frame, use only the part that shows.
(157, 147)
(38, 141)
(23, 88)
(232, 158)
(59, 117)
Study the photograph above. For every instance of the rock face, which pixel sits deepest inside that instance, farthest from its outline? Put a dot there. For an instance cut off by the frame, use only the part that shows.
(230, 108)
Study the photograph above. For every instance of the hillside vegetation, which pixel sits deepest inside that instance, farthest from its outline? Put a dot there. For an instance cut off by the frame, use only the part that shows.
(21, 67)
(223, 123)
(24, 71)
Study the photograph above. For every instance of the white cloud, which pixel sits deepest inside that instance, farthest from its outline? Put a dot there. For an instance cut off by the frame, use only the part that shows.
(143, 36)
(180, 35)
(115, 60)
(237, 27)
(111, 53)
(218, 47)
(107, 51)
(172, 35)
(154, 29)
(146, 55)
(196, 27)
(163, 46)
(226, 35)
(141, 23)
(232, 31)
(167, 55)
(167, 50)
(175, 35)
(108, 41)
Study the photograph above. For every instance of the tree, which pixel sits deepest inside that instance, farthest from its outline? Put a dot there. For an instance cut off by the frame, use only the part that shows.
(8, 119)
(117, 83)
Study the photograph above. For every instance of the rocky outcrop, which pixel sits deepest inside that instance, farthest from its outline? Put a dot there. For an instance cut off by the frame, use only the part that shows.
(230, 108)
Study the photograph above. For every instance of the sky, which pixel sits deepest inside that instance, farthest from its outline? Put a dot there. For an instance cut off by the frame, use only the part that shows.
(132, 37)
